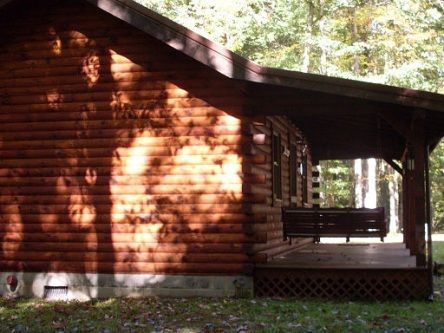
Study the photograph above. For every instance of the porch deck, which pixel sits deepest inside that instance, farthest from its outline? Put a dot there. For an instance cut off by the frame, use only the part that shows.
(379, 271)
(337, 256)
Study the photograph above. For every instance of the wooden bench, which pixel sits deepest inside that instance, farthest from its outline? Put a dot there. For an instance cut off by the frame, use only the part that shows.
(334, 222)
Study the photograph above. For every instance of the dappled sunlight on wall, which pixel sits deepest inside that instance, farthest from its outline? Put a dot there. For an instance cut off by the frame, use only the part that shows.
(13, 231)
(175, 166)
(119, 154)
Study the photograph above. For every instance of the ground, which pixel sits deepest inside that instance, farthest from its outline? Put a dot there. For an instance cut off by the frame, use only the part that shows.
(225, 315)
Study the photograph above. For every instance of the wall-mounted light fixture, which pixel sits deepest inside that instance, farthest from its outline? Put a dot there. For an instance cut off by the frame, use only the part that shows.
(410, 162)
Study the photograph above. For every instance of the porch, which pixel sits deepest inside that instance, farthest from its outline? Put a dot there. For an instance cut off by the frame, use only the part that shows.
(370, 271)
(400, 127)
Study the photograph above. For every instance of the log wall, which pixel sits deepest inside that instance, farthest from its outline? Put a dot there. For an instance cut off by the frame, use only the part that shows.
(119, 154)
(289, 134)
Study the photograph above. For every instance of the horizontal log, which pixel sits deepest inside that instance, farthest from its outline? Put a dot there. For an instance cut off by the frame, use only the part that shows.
(128, 152)
(76, 70)
(264, 149)
(285, 127)
(143, 199)
(121, 108)
(66, 18)
(102, 62)
(92, 178)
(285, 247)
(90, 29)
(60, 51)
(82, 40)
(275, 234)
(147, 199)
(81, 14)
(80, 209)
(146, 161)
(129, 133)
(115, 78)
(136, 119)
(123, 257)
(138, 247)
(110, 172)
(255, 170)
(262, 168)
(153, 189)
(130, 237)
(134, 228)
(121, 104)
(127, 267)
(270, 244)
(262, 130)
(178, 76)
(142, 141)
(18, 87)
(97, 60)
(271, 226)
(56, 96)
(172, 218)
(86, 115)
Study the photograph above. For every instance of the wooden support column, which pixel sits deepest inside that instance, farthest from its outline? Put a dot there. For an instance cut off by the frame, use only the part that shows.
(429, 221)
(418, 190)
(410, 206)
(405, 206)
(414, 194)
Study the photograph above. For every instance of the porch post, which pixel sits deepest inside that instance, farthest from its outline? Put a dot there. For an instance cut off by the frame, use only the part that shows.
(429, 221)
(406, 206)
(418, 190)
(410, 202)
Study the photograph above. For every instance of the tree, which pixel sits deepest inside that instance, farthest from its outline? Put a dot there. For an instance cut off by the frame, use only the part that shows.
(437, 186)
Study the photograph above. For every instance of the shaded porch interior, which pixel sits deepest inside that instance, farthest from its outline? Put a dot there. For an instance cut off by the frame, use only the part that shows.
(345, 120)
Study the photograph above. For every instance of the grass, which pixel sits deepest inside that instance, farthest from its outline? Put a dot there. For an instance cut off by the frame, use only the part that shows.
(438, 252)
(220, 315)
(224, 315)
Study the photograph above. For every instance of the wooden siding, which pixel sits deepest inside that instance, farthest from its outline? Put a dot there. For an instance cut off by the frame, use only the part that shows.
(119, 154)
(289, 133)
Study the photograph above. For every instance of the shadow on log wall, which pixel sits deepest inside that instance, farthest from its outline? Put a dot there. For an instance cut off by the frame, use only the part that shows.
(115, 153)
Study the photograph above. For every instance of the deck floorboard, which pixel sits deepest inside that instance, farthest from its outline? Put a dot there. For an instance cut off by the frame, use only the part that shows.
(346, 256)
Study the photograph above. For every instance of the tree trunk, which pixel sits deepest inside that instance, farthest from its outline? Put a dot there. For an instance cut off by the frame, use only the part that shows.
(306, 59)
(370, 189)
(355, 65)
(394, 199)
(358, 184)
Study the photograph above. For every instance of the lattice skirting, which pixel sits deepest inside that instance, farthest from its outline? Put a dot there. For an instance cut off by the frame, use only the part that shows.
(354, 284)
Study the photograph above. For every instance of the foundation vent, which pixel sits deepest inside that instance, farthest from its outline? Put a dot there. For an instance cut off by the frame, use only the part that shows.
(55, 293)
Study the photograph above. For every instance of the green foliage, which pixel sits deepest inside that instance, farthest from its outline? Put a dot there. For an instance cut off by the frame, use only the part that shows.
(397, 42)
(337, 184)
(437, 186)
(438, 251)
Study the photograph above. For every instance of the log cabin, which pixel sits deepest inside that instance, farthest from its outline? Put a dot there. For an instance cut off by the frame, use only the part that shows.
(139, 158)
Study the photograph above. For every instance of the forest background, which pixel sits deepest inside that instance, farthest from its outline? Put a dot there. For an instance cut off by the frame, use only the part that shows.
(395, 42)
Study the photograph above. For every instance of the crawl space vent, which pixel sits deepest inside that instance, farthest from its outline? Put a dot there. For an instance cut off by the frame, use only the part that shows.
(55, 292)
